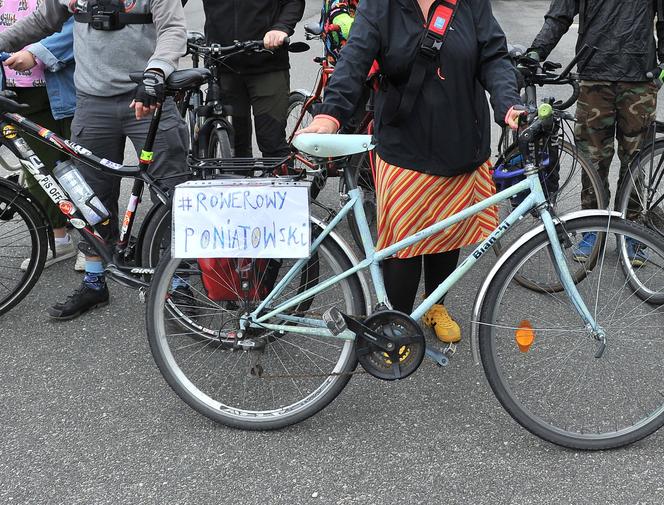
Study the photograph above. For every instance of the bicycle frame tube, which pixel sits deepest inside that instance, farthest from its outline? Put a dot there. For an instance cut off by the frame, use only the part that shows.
(11, 124)
(535, 199)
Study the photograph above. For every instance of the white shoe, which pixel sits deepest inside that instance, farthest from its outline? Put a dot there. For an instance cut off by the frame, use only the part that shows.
(79, 266)
(62, 252)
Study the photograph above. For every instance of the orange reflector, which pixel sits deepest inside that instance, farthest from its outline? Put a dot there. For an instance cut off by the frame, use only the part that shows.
(524, 336)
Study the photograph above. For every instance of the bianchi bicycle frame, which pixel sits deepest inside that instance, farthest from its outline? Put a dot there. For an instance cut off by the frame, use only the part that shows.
(316, 327)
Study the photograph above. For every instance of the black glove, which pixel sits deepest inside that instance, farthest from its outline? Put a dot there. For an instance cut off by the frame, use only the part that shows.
(151, 90)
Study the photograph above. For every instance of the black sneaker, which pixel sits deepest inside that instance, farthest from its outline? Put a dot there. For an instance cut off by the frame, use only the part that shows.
(81, 300)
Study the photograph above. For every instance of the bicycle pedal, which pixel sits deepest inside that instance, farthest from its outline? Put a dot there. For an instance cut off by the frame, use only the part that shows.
(450, 350)
(438, 356)
(334, 320)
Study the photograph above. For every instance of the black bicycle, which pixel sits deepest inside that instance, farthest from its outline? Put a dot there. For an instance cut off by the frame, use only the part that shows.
(25, 231)
(207, 113)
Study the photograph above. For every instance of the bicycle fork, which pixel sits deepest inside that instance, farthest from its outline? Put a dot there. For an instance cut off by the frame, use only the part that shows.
(593, 328)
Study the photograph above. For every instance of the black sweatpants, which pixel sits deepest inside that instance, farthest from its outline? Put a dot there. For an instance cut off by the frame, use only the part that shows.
(267, 95)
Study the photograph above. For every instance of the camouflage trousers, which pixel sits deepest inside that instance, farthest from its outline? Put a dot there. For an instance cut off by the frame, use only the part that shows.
(608, 111)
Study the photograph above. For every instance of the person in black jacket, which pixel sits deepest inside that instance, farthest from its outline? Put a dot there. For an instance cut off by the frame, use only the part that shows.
(616, 100)
(258, 81)
(432, 160)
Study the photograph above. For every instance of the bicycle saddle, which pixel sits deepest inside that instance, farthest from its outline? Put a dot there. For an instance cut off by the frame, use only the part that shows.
(314, 29)
(332, 145)
(180, 79)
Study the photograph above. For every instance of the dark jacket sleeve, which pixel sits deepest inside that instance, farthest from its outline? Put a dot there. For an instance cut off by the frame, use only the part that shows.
(357, 56)
(495, 69)
(290, 12)
(556, 23)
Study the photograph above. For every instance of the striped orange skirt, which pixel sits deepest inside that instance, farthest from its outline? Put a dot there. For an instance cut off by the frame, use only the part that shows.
(410, 201)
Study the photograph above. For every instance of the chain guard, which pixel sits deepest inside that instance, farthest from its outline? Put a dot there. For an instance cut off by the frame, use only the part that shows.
(409, 349)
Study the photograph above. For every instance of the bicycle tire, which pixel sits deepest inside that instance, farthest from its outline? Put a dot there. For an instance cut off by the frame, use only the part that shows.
(23, 233)
(157, 237)
(557, 387)
(296, 110)
(219, 144)
(644, 180)
(571, 182)
(299, 116)
(188, 386)
(640, 198)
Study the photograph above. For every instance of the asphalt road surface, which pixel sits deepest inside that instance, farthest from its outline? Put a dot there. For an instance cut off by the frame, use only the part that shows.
(86, 418)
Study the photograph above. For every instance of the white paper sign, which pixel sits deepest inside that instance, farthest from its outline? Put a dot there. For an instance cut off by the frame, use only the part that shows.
(241, 218)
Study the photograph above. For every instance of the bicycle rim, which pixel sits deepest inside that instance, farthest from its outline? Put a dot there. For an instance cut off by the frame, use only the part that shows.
(285, 378)
(559, 386)
(22, 236)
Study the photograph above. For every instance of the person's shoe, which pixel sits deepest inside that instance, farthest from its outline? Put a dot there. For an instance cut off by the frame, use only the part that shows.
(62, 252)
(79, 266)
(584, 249)
(446, 328)
(636, 252)
(83, 298)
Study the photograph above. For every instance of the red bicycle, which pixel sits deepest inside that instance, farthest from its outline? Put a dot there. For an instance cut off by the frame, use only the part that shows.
(301, 109)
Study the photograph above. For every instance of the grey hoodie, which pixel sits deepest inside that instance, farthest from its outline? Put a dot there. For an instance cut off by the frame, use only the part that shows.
(104, 59)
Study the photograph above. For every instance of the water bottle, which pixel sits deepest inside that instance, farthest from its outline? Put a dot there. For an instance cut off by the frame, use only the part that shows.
(80, 192)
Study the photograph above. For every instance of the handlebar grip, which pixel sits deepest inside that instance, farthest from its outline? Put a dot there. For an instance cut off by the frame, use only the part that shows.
(4, 56)
(576, 89)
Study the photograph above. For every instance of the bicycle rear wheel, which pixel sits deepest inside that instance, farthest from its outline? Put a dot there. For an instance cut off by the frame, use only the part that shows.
(553, 380)
(259, 379)
(573, 168)
(22, 235)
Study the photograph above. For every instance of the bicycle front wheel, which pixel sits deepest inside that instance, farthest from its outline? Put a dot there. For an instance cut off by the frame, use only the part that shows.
(258, 379)
(556, 378)
(571, 170)
(22, 236)
(219, 145)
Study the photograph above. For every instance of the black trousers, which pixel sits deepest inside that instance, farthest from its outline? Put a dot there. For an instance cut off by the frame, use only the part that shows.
(103, 124)
(267, 95)
(402, 276)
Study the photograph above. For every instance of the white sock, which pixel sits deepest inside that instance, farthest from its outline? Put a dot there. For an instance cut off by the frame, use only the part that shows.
(63, 240)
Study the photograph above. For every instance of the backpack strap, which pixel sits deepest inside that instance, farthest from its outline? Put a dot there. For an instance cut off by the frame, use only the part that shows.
(430, 45)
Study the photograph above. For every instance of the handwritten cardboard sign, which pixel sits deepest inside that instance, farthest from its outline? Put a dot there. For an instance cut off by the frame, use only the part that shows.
(241, 218)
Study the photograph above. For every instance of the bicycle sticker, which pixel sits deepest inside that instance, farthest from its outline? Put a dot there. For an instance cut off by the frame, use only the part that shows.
(77, 223)
(9, 132)
(241, 219)
(110, 164)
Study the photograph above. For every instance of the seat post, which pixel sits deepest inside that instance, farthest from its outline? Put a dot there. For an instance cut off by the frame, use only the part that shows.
(349, 175)
(147, 155)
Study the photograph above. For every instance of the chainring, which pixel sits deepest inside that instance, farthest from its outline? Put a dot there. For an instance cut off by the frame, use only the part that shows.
(408, 352)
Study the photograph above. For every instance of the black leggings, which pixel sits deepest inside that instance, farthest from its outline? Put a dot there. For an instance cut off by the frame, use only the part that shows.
(402, 276)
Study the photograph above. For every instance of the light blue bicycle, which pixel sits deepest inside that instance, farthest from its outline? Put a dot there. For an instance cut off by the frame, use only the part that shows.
(580, 367)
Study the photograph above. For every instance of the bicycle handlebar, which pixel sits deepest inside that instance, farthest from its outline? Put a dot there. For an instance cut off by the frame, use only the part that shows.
(238, 47)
